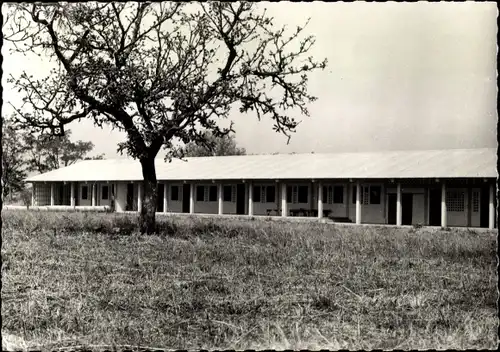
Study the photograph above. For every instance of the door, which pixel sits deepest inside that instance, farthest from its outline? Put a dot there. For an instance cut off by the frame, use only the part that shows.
(391, 208)
(159, 197)
(130, 197)
(435, 207)
(240, 198)
(186, 195)
(407, 204)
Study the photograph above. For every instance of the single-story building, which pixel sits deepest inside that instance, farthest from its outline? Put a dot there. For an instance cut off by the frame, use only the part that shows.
(455, 187)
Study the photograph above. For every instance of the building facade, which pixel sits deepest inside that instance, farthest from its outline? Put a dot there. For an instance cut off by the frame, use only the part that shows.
(436, 188)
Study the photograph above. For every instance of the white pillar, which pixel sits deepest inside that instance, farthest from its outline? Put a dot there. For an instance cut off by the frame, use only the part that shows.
(52, 194)
(320, 200)
(399, 206)
(191, 198)
(139, 197)
(491, 218)
(92, 194)
(358, 203)
(33, 194)
(72, 200)
(250, 198)
(165, 197)
(219, 194)
(284, 210)
(444, 219)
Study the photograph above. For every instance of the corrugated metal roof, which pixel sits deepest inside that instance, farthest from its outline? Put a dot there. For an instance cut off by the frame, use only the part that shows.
(451, 163)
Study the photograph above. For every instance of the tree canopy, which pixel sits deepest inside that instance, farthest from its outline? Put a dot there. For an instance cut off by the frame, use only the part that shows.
(47, 152)
(214, 146)
(161, 72)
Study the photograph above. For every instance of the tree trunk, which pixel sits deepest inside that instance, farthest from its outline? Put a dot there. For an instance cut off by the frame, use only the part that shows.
(147, 222)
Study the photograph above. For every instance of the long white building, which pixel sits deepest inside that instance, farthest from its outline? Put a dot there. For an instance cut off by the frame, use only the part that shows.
(455, 187)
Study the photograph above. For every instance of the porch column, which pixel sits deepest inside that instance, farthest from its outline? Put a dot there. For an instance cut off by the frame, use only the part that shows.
(491, 218)
(284, 210)
(221, 203)
(72, 200)
(33, 194)
(358, 203)
(52, 194)
(191, 198)
(444, 220)
(165, 195)
(139, 197)
(250, 198)
(320, 200)
(399, 206)
(92, 194)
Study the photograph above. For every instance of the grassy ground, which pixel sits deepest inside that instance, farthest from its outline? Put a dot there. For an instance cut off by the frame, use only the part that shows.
(86, 279)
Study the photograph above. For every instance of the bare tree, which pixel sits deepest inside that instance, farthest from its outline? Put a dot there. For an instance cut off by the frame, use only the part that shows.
(160, 72)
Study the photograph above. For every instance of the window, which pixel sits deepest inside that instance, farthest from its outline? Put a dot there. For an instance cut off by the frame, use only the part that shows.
(455, 201)
(256, 194)
(174, 192)
(85, 192)
(375, 194)
(297, 194)
(369, 194)
(475, 201)
(325, 194)
(338, 194)
(227, 194)
(289, 194)
(212, 194)
(105, 192)
(303, 194)
(200, 193)
(270, 194)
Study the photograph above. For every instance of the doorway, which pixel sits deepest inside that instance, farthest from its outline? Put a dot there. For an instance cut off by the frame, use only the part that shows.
(240, 198)
(391, 208)
(407, 204)
(186, 196)
(130, 197)
(159, 197)
(434, 207)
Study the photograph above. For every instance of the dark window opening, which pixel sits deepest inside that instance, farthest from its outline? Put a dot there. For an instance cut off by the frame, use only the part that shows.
(105, 192)
(338, 194)
(289, 194)
(270, 194)
(375, 194)
(174, 193)
(200, 193)
(85, 192)
(325, 194)
(256, 193)
(228, 193)
(303, 193)
(212, 194)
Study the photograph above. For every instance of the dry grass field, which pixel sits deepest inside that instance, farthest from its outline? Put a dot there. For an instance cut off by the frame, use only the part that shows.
(79, 279)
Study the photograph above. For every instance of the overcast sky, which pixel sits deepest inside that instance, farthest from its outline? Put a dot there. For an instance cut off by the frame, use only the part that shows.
(399, 76)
